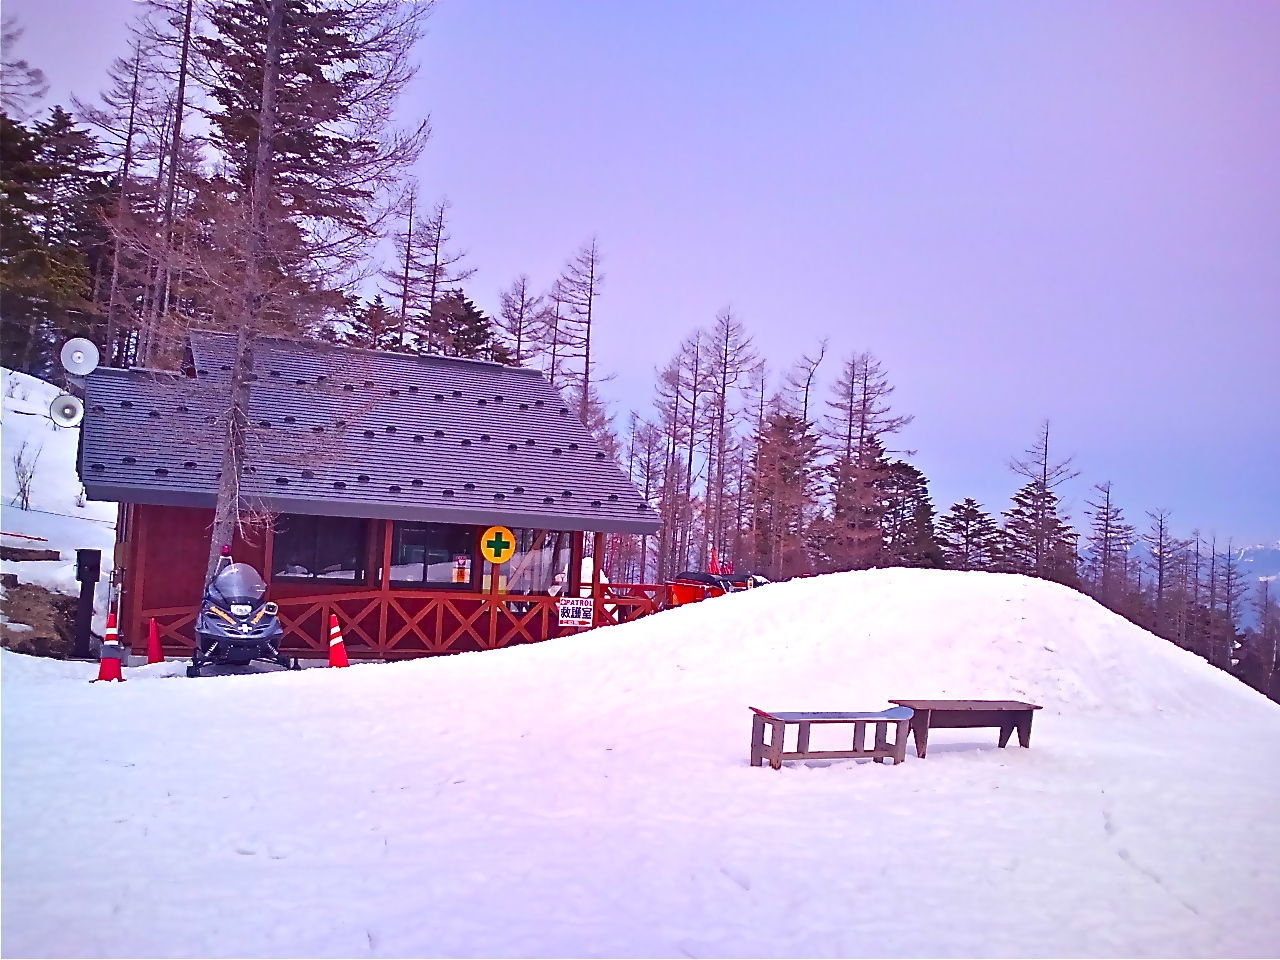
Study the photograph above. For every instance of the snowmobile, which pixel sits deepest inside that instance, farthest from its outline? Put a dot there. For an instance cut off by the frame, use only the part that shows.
(235, 626)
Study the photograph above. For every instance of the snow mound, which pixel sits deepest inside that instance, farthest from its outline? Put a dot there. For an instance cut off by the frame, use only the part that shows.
(591, 796)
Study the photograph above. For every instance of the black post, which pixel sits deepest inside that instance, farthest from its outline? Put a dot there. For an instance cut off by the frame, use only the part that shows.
(88, 570)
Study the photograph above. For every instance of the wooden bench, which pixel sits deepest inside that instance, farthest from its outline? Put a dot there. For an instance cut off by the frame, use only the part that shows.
(774, 751)
(1008, 715)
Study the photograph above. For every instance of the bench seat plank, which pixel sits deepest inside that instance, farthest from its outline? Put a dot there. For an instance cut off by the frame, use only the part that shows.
(795, 716)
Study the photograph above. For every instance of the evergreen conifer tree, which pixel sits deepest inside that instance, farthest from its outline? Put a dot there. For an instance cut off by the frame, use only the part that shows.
(1107, 545)
(374, 327)
(969, 537)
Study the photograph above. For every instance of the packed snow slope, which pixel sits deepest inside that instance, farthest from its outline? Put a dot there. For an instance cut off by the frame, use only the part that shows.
(592, 796)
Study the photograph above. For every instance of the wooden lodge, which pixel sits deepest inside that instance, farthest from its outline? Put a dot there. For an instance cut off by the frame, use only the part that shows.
(369, 477)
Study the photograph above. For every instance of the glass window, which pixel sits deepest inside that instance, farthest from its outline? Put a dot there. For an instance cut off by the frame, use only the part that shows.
(306, 547)
(540, 556)
(439, 554)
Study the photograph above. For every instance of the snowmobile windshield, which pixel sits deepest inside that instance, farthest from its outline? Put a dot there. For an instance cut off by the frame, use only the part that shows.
(239, 581)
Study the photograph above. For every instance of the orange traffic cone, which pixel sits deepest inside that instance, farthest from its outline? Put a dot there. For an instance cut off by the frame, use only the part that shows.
(112, 653)
(154, 653)
(337, 649)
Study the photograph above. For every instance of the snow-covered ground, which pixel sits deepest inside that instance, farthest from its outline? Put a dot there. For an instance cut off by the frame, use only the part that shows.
(592, 796)
(59, 517)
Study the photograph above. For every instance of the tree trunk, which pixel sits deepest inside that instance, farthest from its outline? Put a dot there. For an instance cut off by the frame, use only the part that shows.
(227, 512)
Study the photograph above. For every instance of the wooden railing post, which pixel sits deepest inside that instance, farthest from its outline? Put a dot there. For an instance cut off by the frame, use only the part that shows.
(597, 597)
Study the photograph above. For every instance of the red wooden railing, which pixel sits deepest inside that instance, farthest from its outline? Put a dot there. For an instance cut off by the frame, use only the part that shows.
(400, 624)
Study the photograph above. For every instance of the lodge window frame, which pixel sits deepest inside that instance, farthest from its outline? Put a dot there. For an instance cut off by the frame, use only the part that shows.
(471, 585)
(364, 568)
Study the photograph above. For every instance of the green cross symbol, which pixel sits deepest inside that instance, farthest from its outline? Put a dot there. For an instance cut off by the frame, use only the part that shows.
(498, 545)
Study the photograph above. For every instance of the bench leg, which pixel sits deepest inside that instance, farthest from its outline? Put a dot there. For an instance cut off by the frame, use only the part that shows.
(859, 735)
(882, 739)
(757, 741)
(775, 747)
(1006, 731)
(1024, 729)
(920, 732)
(802, 739)
(900, 741)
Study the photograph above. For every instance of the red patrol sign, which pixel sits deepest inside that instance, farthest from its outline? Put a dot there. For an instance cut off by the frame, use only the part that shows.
(497, 545)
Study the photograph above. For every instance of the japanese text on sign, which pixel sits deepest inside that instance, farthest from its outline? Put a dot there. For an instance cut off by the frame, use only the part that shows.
(576, 611)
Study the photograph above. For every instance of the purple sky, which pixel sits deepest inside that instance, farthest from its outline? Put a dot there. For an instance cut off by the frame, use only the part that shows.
(1062, 210)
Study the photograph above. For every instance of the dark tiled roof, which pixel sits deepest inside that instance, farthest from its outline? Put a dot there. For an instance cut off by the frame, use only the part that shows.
(345, 432)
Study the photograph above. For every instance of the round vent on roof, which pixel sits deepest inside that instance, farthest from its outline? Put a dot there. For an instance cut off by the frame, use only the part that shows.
(99, 408)
(265, 424)
(481, 402)
(391, 428)
(393, 392)
(599, 454)
(439, 396)
(413, 388)
(226, 366)
(162, 471)
(191, 464)
(524, 406)
(363, 478)
(308, 474)
(573, 446)
(517, 490)
(466, 441)
(302, 383)
(274, 373)
(613, 497)
(418, 438)
(283, 481)
(154, 414)
(539, 403)
(446, 493)
(548, 499)
(368, 434)
(126, 403)
(416, 482)
(129, 460)
(339, 485)
(556, 451)
(254, 376)
(499, 496)
(468, 486)
(339, 423)
(437, 434)
(595, 503)
(317, 429)
(457, 393)
(368, 383)
(484, 437)
(564, 411)
(531, 442)
(643, 506)
(513, 447)
(290, 419)
(394, 488)
(97, 466)
(349, 387)
(566, 494)
(180, 408)
(497, 398)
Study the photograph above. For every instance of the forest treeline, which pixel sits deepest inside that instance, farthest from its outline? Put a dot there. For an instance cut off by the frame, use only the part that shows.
(243, 168)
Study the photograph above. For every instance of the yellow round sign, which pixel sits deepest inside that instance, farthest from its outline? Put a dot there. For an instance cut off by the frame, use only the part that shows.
(497, 545)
